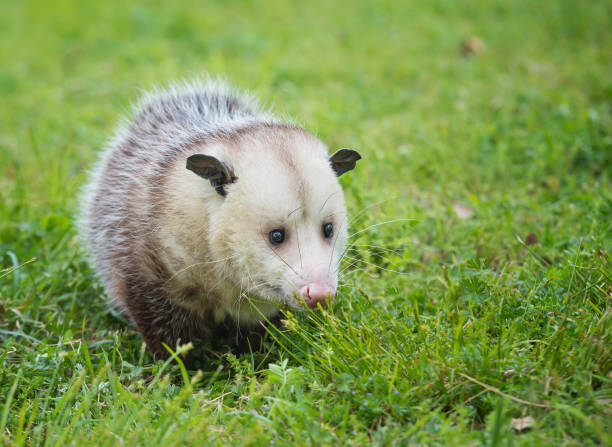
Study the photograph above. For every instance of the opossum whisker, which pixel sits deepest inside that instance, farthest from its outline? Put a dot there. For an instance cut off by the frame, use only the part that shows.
(286, 263)
(378, 247)
(195, 264)
(298, 208)
(344, 269)
(297, 235)
(344, 283)
(325, 203)
(369, 207)
(389, 261)
(334, 214)
(254, 284)
(256, 287)
(276, 254)
(383, 250)
(238, 305)
(331, 256)
(266, 283)
(377, 266)
(379, 224)
(346, 250)
(246, 294)
(341, 271)
(351, 245)
(241, 296)
(362, 269)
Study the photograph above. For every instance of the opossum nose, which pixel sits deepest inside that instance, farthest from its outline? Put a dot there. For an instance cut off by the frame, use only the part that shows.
(317, 293)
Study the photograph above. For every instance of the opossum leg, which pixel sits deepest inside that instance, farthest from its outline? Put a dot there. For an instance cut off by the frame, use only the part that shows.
(160, 321)
(246, 338)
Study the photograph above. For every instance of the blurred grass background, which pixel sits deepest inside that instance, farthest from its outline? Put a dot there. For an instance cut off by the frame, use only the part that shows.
(502, 156)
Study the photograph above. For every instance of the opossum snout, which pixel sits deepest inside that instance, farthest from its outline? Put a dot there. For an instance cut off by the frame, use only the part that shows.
(317, 293)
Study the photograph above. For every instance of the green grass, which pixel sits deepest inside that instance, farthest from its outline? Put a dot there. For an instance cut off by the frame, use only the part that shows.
(448, 328)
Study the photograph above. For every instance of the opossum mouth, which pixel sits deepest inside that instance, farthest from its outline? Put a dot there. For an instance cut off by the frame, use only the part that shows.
(275, 294)
(276, 291)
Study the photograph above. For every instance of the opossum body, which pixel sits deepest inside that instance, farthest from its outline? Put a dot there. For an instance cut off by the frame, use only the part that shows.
(203, 199)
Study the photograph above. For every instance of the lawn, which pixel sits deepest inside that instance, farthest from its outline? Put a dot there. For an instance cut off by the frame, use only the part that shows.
(476, 298)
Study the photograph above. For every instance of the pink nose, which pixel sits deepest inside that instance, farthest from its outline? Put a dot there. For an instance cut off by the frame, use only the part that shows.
(316, 293)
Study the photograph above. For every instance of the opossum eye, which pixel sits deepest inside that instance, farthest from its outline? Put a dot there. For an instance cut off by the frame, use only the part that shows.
(277, 236)
(328, 230)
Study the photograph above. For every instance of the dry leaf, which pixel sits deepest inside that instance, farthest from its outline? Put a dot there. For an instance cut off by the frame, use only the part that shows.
(520, 424)
(462, 211)
(532, 239)
(553, 183)
(472, 45)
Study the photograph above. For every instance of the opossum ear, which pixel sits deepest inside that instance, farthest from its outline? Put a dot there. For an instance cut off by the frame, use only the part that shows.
(344, 160)
(213, 170)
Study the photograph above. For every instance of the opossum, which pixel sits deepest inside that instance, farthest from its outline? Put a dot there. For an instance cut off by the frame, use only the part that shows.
(204, 198)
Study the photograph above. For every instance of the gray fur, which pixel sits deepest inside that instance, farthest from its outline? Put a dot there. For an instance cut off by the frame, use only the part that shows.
(118, 204)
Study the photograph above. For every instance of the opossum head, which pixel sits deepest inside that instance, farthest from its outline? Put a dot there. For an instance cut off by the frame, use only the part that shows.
(279, 218)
